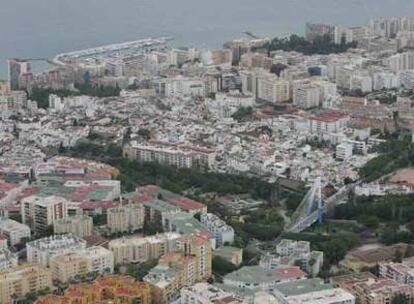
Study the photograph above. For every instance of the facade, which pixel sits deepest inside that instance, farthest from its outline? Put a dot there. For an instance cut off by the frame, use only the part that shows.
(181, 86)
(306, 94)
(42, 250)
(17, 282)
(201, 249)
(7, 259)
(126, 218)
(94, 259)
(173, 272)
(39, 213)
(79, 225)
(14, 231)
(328, 122)
(223, 233)
(17, 67)
(344, 151)
(139, 249)
(171, 155)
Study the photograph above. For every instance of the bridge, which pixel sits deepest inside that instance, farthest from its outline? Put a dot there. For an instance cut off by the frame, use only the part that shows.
(313, 206)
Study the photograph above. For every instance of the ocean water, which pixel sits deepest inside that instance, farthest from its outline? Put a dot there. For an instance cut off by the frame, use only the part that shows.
(43, 28)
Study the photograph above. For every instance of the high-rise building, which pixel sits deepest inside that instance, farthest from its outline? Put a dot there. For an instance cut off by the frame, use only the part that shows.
(126, 218)
(39, 213)
(17, 67)
(14, 231)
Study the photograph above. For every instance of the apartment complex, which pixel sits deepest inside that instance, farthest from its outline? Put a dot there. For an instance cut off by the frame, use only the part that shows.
(42, 250)
(95, 259)
(39, 213)
(179, 156)
(108, 288)
(14, 231)
(126, 218)
(79, 225)
(139, 249)
(17, 282)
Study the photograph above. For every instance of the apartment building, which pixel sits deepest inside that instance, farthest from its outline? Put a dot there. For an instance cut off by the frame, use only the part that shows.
(42, 250)
(18, 281)
(126, 218)
(179, 156)
(7, 259)
(79, 225)
(39, 213)
(68, 266)
(14, 231)
(203, 293)
(173, 272)
(138, 249)
(223, 233)
(200, 248)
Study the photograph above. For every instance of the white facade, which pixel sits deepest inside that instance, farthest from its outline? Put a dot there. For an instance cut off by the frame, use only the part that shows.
(42, 250)
(14, 231)
(222, 232)
(343, 151)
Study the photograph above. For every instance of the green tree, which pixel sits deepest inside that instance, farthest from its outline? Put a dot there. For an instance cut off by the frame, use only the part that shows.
(400, 298)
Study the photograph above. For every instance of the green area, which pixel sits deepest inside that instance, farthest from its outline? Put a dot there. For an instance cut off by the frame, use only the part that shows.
(177, 180)
(138, 271)
(222, 266)
(243, 114)
(320, 45)
(394, 154)
(41, 95)
(31, 297)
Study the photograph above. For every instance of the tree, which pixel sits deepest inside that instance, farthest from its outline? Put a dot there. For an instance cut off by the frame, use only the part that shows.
(222, 266)
(400, 298)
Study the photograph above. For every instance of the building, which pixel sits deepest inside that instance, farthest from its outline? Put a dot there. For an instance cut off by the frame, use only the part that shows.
(17, 67)
(7, 259)
(298, 253)
(201, 249)
(39, 213)
(343, 151)
(314, 30)
(180, 86)
(19, 281)
(311, 291)
(112, 288)
(328, 122)
(306, 94)
(42, 250)
(79, 225)
(203, 293)
(94, 259)
(179, 156)
(138, 249)
(126, 218)
(402, 273)
(223, 233)
(173, 272)
(14, 231)
(257, 278)
(265, 86)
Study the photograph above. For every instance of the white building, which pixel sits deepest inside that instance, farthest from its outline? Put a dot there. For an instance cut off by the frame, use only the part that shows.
(181, 86)
(14, 231)
(7, 259)
(203, 293)
(42, 250)
(343, 151)
(39, 213)
(125, 218)
(222, 232)
(306, 95)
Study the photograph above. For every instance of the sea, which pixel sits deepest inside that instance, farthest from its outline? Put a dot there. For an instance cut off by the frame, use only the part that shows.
(44, 28)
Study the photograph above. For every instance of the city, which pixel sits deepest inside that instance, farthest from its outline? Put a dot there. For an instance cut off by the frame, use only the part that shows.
(268, 171)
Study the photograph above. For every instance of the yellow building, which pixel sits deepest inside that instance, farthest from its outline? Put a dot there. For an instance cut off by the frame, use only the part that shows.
(200, 248)
(21, 280)
(126, 218)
